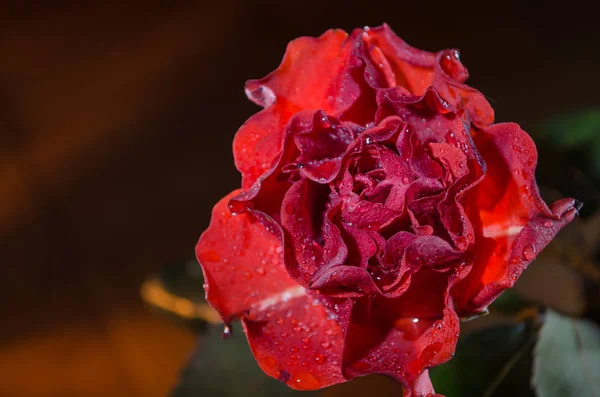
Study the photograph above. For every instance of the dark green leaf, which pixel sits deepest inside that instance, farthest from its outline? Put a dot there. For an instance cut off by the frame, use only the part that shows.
(510, 302)
(491, 362)
(567, 358)
(227, 368)
(595, 157)
(573, 129)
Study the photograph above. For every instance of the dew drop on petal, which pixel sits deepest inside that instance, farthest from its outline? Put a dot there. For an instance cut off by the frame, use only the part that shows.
(226, 332)
(319, 359)
(270, 362)
(304, 381)
(529, 252)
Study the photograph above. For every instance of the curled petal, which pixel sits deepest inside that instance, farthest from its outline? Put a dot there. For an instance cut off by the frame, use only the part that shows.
(303, 250)
(241, 261)
(417, 70)
(258, 142)
(321, 141)
(512, 221)
(407, 66)
(450, 73)
(312, 75)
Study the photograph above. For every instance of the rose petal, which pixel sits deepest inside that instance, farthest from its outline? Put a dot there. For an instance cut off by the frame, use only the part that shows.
(410, 67)
(320, 64)
(508, 208)
(312, 75)
(322, 142)
(302, 229)
(241, 261)
(449, 74)
(258, 142)
(417, 70)
(453, 159)
(403, 337)
(299, 341)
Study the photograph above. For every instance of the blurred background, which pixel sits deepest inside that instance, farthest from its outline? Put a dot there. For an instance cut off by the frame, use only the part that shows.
(116, 122)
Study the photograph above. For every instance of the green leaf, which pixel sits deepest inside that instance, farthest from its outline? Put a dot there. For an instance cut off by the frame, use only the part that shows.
(573, 129)
(567, 358)
(595, 156)
(490, 362)
(227, 368)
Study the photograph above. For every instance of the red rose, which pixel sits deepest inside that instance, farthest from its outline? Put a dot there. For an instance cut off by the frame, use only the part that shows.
(378, 204)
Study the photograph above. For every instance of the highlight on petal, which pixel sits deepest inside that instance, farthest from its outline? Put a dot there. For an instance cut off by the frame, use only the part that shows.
(242, 262)
(299, 341)
(514, 223)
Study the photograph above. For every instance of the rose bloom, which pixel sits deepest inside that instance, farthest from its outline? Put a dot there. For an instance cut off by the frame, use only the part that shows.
(379, 204)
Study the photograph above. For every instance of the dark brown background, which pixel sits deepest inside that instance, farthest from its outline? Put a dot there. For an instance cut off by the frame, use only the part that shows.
(115, 132)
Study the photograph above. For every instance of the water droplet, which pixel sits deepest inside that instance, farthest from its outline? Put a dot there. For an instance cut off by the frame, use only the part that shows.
(325, 345)
(548, 224)
(269, 361)
(294, 349)
(226, 332)
(260, 270)
(462, 243)
(247, 274)
(319, 359)
(305, 381)
(529, 252)
(405, 180)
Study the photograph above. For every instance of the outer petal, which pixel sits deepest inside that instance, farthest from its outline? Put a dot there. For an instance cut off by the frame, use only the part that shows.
(314, 74)
(408, 67)
(242, 263)
(299, 341)
(403, 337)
(417, 70)
(514, 223)
(258, 142)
